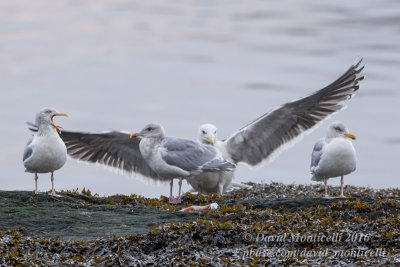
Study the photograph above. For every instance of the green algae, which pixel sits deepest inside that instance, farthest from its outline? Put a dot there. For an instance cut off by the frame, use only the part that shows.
(78, 216)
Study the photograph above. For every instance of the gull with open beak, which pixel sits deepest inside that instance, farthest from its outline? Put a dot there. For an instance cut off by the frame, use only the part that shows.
(46, 151)
(258, 142)
(333, 156)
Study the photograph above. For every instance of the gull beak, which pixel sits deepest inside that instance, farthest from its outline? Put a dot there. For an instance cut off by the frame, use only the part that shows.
(135, 135)
(211, 141)
(58, 128)
(351, 136)
(61, 114)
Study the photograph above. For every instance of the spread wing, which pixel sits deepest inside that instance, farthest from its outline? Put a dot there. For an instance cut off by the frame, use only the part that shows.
(114, 149)
(274, 131)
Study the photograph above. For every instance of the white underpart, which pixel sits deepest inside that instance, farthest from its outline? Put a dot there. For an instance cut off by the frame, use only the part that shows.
(338, 158)
(48, 152)
(212, 182)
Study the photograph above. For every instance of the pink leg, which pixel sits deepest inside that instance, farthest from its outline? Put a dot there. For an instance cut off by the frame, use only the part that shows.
(36, 178)
(326, 189)
(175, 200)
(171, 198)
(341, 188)
(179, 194)
(53, 191)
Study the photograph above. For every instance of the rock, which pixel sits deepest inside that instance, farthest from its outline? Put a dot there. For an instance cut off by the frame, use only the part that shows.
(272, 224)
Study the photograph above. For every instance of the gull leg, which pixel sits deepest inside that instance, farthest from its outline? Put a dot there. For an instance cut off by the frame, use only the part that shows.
(220, 189)
(171, 184)
(326, 189)
(179, 194)
(172, 200)
(175, 200)
(341, 188)
(53, 191)
(36, 178)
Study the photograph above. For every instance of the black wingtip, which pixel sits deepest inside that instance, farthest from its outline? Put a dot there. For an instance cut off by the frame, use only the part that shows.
(357, 62)
(357, 68)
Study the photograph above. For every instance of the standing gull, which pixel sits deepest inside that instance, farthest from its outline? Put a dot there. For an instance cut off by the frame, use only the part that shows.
(178, 158)
(45, 152)
(148, 153)
(333, 156)
(253, 144)
(272, 133)
(212, 183)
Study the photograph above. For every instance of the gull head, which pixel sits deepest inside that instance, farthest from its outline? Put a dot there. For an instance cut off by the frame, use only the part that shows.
(152, 130)
(338, 129)
(207, 134)
(45, 117)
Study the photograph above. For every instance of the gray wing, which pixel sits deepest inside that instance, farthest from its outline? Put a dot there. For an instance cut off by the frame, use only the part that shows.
(317, 153)
(186, 154)
(217, 165)
(28, 151)
(114, 149)
(268, 134)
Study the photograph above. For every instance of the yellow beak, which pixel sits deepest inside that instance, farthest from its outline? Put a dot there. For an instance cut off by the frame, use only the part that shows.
(351, 136)
(212, 141)
(58, 128)
(61, 114)
(135, 135)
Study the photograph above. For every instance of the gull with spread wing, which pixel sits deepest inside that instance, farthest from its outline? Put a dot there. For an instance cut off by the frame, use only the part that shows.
(253, 144)
(272, 133)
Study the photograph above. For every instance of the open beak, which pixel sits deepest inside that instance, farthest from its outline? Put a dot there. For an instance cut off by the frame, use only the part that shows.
(351, 136)
(58, 128)
(135, 135)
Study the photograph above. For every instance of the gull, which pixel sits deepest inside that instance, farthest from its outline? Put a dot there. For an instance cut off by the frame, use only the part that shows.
(213, 183)
(269, 135)
(174, 157)
(148, 153)
(258, 142)
(333, 156)
(45, 152)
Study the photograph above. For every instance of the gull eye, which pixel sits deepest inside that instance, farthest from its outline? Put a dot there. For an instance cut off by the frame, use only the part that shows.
(338, 129)
(149, 129)
(204, 132)
(48, 111)
(215, 132)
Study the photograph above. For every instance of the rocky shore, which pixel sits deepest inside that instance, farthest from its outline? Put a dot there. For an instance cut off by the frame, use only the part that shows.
(267, 224)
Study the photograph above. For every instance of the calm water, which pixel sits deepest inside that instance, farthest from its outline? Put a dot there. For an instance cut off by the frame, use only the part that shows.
(121, 64)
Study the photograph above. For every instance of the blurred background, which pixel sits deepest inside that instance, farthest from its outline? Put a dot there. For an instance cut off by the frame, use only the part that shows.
(119, 64)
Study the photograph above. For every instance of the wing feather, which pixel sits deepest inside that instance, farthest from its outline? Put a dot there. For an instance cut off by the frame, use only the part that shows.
(27, 152)
(274, 131)
(114, 149)
(317, 153)
(186, 154)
